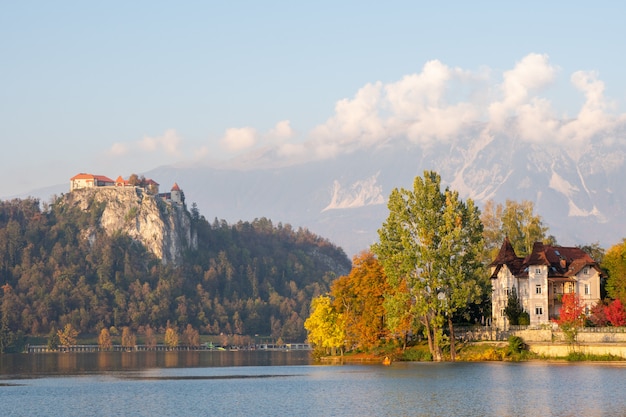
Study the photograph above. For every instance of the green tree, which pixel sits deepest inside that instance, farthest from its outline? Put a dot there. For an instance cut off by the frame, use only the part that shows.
(53, 339)
(513, 309)
(615, 264)
(516, 220)
(6, 335)
(325, 326)
(432, 239)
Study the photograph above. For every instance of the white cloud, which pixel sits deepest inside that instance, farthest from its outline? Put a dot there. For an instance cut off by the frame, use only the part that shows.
(238, 139)
(118, 149)
(356, 122)
(282, 131)
(532, 73)
(436, 105)
(593, 116)
(169, 143)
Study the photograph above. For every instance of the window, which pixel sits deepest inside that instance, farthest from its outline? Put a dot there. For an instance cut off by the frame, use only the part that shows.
(586, 271)
(502, 313)
(538, 310)
(537, 271)
(538, 289)
(587, 292)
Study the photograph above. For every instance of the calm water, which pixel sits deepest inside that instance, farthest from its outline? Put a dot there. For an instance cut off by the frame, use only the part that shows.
(287, 384)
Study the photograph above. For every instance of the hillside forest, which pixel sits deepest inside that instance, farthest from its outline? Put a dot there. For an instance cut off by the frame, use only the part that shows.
(249, 278)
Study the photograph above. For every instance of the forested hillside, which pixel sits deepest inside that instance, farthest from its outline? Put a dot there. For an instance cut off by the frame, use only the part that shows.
(247, 278)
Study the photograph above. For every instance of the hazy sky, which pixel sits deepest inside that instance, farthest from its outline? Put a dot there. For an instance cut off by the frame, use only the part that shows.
(122, 87)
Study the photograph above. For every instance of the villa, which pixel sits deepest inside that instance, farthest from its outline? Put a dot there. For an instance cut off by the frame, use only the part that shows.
(541, 279)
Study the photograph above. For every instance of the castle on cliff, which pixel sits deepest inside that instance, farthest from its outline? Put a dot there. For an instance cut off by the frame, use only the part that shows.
(83, 180)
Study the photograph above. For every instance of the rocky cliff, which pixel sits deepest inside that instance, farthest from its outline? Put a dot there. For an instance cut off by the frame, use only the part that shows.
(163, 228)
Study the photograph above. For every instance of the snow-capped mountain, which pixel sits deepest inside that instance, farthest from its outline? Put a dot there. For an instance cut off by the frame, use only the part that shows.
(580, 197)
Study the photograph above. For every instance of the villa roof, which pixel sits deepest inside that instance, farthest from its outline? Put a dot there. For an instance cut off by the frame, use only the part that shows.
(175, 187)
(506, 256)
(563, 262)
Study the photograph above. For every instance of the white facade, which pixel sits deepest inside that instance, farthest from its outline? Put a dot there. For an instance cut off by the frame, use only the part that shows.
(541, 279)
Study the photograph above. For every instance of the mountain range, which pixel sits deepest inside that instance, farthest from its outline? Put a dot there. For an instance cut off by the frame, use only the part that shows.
(579, 192)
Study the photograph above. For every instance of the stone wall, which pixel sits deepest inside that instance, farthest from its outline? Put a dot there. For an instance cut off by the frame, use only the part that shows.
(563, 349)
(543, 334)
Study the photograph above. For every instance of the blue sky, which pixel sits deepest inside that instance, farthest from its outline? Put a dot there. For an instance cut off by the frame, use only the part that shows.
(115, 88)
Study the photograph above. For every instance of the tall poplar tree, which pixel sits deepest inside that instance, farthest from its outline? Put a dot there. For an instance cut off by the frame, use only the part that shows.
(431, 242)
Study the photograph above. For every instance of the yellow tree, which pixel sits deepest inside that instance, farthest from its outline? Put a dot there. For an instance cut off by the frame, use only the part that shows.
(67, 335)
(615, 263)
(325, 326)
(104, 340)
(359, 296)
(171, 337)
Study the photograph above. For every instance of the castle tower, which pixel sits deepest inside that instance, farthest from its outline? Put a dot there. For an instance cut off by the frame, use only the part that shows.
(177, 195)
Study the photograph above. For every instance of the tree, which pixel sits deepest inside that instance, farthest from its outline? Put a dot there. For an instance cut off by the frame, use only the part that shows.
(359, 297)
(191, 337)
(67, 336)
(129, 340)
(150, 338)
(598, 314)
(615, 313)
(104, 340)
(615, 264)
(513, 309)
(571, 316)
(325, 326)
(53, 339)
(171, 337)
(515, 220)
(432, 241)
(6, 335)
(400, 316)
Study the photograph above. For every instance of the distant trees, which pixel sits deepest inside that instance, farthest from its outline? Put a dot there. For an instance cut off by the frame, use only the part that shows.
(57, 266)
(431, 243)
(518, 221)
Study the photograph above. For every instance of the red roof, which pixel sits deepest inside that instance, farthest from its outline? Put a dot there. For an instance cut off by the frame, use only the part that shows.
(175, 187)
(83, 176)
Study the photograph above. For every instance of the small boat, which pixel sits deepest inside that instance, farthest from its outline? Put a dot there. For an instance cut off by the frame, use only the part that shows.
(387, 361)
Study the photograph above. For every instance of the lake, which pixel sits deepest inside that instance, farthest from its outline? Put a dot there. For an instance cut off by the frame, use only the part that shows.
(271, 383)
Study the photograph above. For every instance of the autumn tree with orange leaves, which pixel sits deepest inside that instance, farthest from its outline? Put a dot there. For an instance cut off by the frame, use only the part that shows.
(359, 297)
